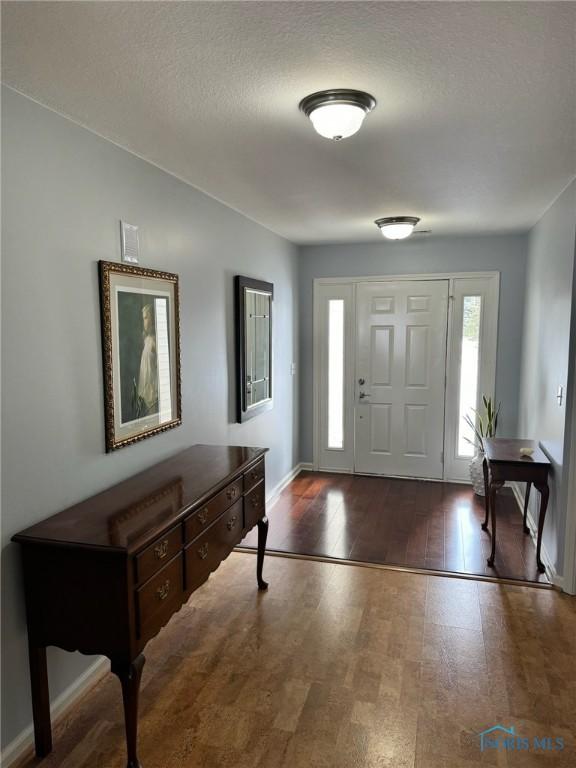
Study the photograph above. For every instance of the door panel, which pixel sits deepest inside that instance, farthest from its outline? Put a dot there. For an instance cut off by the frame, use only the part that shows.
(381, 355)
(401, 356)
(380, 429)
(417, 354)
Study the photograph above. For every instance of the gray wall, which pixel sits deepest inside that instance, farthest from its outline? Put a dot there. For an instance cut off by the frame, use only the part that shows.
(64, 190)
(545, 356)
(506, 254)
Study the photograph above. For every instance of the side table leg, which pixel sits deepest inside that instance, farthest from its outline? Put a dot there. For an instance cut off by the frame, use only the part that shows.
(494, 487)
(262, 536)
(40, 699)
(526, 500)
(129, 675)
(486, 493)
(544, 492)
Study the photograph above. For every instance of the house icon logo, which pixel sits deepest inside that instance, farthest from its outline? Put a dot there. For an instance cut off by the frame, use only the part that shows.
(492, 737)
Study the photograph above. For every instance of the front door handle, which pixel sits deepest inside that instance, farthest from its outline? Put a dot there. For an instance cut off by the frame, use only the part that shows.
(362, 395)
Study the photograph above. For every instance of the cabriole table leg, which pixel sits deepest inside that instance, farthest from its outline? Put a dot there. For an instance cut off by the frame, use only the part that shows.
(262, 536)
(129, 674)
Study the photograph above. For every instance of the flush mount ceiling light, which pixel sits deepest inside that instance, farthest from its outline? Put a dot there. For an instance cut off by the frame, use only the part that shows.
(338, 113)
(397, 227)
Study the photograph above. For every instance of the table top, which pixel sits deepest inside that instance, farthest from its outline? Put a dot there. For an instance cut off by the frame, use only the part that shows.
(130, 513)
(507, 450)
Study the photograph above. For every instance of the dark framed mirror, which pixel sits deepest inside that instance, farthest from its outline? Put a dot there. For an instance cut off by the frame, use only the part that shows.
(253, 308)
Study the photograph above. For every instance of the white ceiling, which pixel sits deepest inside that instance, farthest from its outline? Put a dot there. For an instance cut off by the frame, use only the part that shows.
(474, 129)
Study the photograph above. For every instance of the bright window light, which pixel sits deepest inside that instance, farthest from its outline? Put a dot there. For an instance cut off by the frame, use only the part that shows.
(469, 357)
(336, 373)
(163, 355)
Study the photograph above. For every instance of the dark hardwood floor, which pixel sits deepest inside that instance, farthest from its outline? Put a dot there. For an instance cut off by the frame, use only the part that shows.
(410, 523)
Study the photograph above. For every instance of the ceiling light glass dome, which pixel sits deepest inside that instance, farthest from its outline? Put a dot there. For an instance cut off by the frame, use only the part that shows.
(338, 113)
(397, 227)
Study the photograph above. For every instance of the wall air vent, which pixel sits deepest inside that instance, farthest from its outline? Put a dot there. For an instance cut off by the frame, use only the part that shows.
(129, 242)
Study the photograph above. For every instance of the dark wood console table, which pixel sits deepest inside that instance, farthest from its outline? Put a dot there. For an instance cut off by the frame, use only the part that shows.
(503, 461)
(104, 576)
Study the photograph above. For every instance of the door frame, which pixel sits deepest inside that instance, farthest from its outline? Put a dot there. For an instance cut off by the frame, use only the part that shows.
(320, 283)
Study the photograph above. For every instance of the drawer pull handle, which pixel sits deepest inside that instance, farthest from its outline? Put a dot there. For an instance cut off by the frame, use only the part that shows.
(161, 550)
(231, 493)
(203, 552)
(231, 523)
(203, 516)
(255, 502)
(255, 475)
(163, 590)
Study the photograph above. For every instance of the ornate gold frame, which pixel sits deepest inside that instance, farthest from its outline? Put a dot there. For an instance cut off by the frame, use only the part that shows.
(106, 268)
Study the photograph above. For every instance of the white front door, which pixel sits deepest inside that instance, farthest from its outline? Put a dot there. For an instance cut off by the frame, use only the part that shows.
(400, 377)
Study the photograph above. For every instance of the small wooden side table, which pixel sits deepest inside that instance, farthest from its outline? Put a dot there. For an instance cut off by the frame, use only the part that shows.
(502, 462)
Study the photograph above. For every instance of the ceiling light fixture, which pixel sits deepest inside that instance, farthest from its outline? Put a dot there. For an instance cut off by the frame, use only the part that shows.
(338, 113)
(397, 227)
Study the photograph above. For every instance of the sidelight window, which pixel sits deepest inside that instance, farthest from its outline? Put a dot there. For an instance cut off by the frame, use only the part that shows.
(469, 363)
(336, 373)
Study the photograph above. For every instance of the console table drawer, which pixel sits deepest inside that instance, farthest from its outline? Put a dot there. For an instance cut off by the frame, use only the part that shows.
(254, 505)
(160, 597)
(158, 554)
(201, 519)
(254, 476)
(208, 550)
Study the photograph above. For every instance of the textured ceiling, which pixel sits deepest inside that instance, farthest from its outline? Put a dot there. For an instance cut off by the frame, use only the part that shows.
(474, 129)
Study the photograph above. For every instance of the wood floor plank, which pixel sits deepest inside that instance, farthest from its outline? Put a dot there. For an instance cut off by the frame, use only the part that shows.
(341, 666)
(411, 523)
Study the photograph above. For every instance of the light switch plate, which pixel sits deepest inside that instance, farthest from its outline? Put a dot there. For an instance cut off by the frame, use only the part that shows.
(293, 369)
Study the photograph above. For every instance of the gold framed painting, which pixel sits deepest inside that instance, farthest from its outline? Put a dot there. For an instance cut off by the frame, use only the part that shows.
(141, 352)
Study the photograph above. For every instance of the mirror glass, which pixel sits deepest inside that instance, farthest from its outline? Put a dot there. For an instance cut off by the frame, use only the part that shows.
(254, 338)
(257, 347)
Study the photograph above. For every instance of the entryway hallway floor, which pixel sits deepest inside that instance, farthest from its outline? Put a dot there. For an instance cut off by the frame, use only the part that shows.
(340, 666)
(410, 523)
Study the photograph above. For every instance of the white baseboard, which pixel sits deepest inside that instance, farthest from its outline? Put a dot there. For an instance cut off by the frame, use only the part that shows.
(551, 573)
(308, 466)
(23, 744)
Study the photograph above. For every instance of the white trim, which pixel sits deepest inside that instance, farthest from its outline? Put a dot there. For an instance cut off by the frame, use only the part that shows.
(569, 482)
(316, 343)
(415, 276)
(488, 287)
(338, 283)
(570, 528)
(336, 471)
(325, 457)
(309, 467)
(19, 747)
(273, 495)
(553, 577)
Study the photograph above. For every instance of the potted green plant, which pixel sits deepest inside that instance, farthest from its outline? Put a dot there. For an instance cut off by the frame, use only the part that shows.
(484, 424)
